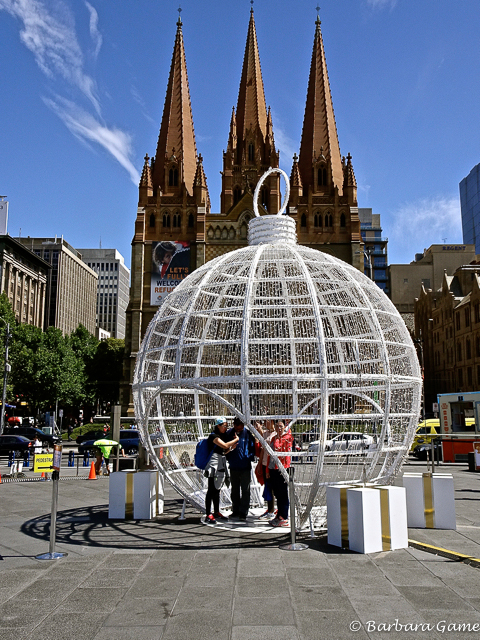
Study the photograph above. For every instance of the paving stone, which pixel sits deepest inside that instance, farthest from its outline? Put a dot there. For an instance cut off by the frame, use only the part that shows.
(312, 598)
(137, 612)
(198, 625)
(265, 633)
(129, 633)
(314, 625)
(438, 598)
(92, 599)
(263, 611)
(204, 599)
(311, 577)
(68, 626)
(158, 586)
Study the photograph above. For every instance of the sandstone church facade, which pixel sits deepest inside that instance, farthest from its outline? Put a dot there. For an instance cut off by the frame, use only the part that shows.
(176, 229)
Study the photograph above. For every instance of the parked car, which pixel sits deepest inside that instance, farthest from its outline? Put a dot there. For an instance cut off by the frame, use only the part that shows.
(31, 433)
(95, 434)
(343, 441)
(19, 444)
(423, 451)
(129, 441)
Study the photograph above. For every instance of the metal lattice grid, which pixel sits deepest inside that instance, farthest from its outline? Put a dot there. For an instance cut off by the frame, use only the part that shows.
(278, 331)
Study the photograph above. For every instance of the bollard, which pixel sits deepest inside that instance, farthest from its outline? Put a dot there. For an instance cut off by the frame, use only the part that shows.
(11, 458)
(71, 459)
(86, 458)
(26, 459)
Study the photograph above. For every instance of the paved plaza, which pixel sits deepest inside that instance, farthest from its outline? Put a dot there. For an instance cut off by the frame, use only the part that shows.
(174, 579)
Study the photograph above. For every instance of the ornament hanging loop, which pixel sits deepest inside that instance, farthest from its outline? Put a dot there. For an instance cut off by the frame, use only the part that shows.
(259, 185)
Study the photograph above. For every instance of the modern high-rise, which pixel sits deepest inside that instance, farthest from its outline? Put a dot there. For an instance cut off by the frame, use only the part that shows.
(71, 293)
(375, 249)
(113, 288)
(176, 229)
(470, 208)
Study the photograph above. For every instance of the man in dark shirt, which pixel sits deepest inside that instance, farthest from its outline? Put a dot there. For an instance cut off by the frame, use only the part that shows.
(240, 462)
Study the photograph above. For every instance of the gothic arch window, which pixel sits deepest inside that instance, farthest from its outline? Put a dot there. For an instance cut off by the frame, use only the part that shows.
(191, 221)
(237, 194)
(322, 176)
(173, 177)
(264, 197)
(152, 220)
(328, 220)
(343, 222)
(303, 220)
(166, 221)
(251, 152)
(177, 219)
(210, 232)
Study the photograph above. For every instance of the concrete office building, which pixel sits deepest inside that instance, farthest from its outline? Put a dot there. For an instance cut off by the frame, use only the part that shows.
(113, 288)
(71, 293)
(427, 270)
(375, 249)
(470, 207)
(23, 278)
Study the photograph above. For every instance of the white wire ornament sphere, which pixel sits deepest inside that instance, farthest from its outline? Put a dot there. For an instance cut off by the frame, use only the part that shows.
(276, 331)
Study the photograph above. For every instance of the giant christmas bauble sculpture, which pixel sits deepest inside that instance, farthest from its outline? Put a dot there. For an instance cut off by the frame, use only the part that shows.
(278, 331)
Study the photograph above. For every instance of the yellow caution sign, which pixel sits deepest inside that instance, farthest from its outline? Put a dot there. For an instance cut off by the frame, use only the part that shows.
(43, 462)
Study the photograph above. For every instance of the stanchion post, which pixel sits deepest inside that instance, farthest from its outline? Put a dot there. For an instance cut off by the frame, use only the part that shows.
(293, 546)
(52, 555)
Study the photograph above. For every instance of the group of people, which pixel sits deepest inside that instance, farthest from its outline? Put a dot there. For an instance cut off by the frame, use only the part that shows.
(238, 447)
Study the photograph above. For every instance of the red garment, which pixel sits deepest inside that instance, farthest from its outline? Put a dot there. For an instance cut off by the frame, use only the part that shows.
(284, 443)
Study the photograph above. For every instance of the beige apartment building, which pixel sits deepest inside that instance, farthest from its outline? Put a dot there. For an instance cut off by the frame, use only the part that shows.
(23, 278)
(71, 292)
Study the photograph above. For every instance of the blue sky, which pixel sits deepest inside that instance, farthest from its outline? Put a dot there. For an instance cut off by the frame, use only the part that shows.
(83, 85)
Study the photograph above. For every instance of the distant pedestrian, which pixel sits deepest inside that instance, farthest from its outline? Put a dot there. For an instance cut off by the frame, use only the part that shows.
(240, 463)
(69, 430)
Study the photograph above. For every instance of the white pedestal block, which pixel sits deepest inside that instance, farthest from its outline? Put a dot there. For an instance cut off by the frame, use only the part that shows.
(393, 505)
(337, 516)
(148, 496)
(135, 495)
(364, 520)
(430, 500)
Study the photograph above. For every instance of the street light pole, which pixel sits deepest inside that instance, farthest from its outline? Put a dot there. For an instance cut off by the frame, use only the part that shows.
(5, 375)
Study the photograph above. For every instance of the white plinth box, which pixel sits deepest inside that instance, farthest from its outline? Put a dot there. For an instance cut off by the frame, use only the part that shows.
(367, 519)
(430, 500)
(135, 495)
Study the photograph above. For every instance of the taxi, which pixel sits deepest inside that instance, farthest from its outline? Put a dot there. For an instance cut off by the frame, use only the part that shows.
(427, 430)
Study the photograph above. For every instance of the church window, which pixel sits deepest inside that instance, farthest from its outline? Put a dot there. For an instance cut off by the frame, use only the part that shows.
(328, 220)
(166, 220)
(237, 194)
(303, 222)
(173, 177)
(322, 176)
(251, 152)
(190, 221)
(343, 221)
(264, 197)
(152, 220)
(468, 350)
(177, 220)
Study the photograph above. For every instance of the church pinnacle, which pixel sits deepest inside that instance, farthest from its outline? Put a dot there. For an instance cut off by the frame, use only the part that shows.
(176, 156)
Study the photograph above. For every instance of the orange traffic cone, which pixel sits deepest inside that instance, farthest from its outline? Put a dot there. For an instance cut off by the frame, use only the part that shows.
(0, 478)
(92, 475)
(43, 475)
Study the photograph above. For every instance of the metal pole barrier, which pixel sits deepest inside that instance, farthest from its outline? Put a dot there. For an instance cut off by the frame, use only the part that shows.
(52, 555)
(293, 546)
(78, 460)
(182, 517)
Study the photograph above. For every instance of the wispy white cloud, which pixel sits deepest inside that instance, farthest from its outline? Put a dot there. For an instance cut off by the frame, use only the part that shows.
(94, 32)
(139, 99)
(382, 4)
(49, 33)
(417, 225)
(87, 129)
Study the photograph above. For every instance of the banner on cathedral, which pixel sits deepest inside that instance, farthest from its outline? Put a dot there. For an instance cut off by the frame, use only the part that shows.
(170, 265)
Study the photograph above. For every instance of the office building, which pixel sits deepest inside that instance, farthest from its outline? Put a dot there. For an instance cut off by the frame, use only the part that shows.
(113, 288)
(375, 249)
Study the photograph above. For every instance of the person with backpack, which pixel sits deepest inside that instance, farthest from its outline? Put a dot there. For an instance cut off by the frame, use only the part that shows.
(216, 470)
(240, 463)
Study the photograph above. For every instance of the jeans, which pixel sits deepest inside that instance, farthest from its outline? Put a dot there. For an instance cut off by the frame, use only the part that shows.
(240, 479)
(280, 491)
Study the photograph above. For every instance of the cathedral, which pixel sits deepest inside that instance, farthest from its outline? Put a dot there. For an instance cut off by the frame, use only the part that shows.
(175, 227)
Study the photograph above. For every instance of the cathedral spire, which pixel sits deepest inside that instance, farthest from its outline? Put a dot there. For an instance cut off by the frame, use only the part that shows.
(176, 155)
(251, 107)
(319, 134)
